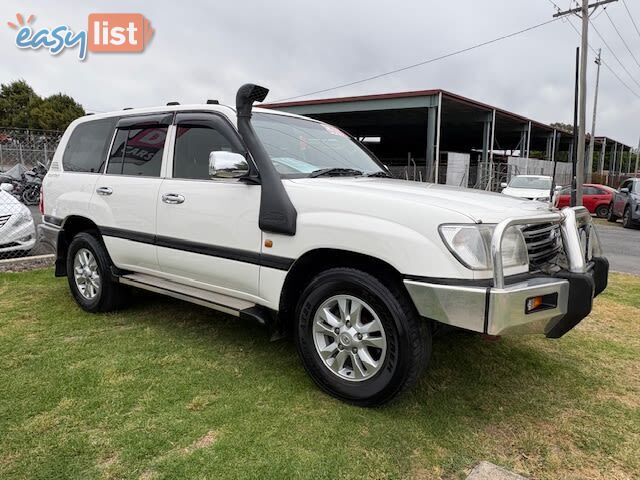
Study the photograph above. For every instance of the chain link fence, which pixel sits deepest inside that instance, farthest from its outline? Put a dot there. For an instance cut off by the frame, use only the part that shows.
(23, 154)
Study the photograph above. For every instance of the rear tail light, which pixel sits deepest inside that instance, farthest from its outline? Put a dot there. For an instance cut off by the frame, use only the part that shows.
(41, 203)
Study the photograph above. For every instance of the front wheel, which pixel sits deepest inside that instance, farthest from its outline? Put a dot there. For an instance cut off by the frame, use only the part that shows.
(31, 196)
(602, 211)
(360, 340)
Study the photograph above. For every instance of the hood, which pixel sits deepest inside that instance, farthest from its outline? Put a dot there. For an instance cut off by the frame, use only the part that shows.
(526, 192)
(477, 205)
(10, 204)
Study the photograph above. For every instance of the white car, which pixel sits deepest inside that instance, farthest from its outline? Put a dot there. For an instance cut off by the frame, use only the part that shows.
(291, 222)
(17, 229)
(532, 187)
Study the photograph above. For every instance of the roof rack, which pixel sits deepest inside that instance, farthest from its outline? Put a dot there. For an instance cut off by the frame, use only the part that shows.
(213, 102)
(169, 104)
(128, 108)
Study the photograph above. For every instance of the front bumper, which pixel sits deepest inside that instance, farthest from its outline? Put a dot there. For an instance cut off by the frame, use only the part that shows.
(499, 307)
(17, 238)
(501, 311)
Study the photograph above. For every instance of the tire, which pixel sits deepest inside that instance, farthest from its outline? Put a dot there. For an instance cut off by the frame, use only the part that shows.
(610, 216)
(627, 222)
(405, 338)
(107, 294)
(31, 196)
(602, 211)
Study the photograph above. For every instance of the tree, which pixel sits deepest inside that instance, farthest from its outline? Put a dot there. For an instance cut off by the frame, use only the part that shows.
(56, 112)
(564, 127)
(16, 101)
(22, 107)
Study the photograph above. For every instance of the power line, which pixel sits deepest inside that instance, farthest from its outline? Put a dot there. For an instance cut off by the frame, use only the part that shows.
(613, 72)
(425, 62)
(614, 55)
(631, 17)
(622, 38)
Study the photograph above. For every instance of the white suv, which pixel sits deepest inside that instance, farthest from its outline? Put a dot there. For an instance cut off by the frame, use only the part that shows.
(291, 222)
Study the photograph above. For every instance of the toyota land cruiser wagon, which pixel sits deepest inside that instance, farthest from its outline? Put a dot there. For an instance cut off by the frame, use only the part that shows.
(291, 222)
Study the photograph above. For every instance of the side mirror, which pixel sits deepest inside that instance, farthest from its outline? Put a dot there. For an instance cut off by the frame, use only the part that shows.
(558, 188)
(503, 185)
(227, 165)
(624, 190)
(6, 187)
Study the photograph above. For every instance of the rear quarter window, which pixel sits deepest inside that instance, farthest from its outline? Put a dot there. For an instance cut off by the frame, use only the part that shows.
(87, 147)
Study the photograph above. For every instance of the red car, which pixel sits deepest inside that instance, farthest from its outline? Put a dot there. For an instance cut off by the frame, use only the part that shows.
(595, 197)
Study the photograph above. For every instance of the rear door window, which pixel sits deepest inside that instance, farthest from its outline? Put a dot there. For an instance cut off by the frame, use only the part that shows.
(86, 150)
(138, 151)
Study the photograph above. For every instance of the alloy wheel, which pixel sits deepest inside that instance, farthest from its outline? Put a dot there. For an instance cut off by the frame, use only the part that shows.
(349, 338)
(86, 274)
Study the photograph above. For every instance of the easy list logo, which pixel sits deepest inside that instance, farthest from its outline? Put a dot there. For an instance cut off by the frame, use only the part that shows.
(106, 33)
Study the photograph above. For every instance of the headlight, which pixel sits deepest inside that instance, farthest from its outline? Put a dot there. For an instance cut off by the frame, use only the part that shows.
(543, 199)
(471, 245)
(22, 218)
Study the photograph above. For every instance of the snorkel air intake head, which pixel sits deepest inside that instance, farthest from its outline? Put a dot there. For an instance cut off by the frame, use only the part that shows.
(247, 94)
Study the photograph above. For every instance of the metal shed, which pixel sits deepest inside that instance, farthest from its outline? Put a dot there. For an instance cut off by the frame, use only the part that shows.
(440, 136)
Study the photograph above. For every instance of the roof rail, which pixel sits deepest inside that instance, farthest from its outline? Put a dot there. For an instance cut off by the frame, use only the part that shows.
(169, 104)
(213, 102)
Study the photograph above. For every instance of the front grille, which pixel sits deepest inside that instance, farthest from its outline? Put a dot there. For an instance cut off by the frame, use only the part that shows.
(4, 219)
(543, 243)
(9, 245)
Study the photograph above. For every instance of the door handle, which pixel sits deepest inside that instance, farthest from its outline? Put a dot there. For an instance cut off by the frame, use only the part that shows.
(104, 190)
(172, 198)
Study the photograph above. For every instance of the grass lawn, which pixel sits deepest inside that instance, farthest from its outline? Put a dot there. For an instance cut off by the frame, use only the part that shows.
(170, 390)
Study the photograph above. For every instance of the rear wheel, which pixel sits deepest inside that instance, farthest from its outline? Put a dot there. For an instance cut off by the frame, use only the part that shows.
(360, 340)
(602, 211)
(89, 276)
(610, 216)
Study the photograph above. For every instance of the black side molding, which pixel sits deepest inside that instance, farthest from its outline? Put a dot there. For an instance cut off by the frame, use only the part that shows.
(277, 213)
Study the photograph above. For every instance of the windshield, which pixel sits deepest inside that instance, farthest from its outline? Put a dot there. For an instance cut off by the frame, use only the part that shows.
(536, 183)
(299, 147)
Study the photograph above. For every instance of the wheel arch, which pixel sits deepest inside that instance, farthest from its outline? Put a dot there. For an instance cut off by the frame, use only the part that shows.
(71, 226)
(315, 261)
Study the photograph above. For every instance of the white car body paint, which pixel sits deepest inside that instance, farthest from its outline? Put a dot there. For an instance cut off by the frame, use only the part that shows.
(17, 228)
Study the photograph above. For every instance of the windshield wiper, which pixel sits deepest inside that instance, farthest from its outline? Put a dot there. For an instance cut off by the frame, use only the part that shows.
(381, 173)
(335, 172)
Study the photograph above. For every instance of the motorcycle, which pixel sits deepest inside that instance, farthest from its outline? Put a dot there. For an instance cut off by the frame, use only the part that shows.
(26, 183)
(32, 179)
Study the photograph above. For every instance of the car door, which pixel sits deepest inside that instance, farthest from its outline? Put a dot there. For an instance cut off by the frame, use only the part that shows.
(208, 234)
(620, 199)
(124, 202)
(601, 197)
(589, 198)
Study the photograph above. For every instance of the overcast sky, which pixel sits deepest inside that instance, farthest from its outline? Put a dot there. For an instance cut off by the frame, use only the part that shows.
(207, 49)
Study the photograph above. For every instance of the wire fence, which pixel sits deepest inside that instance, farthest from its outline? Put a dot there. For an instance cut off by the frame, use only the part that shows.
(21, 151)
(27, 147)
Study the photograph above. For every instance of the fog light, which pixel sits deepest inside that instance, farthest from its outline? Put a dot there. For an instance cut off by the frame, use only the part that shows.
(541, 302)
(533, 303)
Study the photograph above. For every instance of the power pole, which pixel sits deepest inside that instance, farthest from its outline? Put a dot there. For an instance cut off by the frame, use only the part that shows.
(592, 143)
(583, 13)
(637, 158)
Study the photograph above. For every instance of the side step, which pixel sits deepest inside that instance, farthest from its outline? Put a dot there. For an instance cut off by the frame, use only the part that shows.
(216, 301)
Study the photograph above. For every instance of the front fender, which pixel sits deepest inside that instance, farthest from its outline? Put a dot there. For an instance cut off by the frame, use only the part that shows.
(407, 250)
